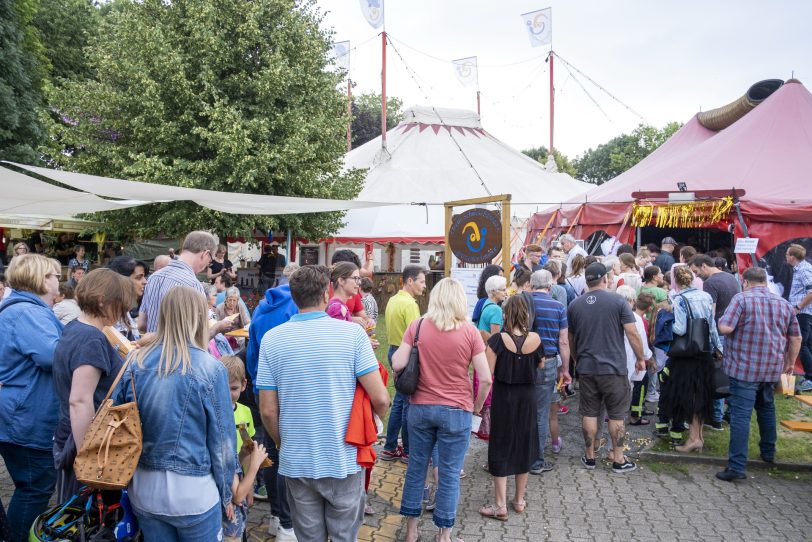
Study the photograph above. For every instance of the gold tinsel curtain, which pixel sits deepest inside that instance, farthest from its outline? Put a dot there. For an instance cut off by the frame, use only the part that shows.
(691, 214)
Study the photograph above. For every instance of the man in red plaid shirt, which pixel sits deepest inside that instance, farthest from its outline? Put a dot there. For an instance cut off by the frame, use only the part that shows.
(763, 341)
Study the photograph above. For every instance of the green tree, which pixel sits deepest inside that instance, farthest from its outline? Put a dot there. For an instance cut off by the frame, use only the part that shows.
(366, 116)
(66, 28)
(20, 83)
(564, 164)
(227, 95)
(619, 154)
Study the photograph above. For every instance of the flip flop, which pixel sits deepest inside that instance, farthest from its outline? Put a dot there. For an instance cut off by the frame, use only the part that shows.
(519, 506)
(492, 511)
(641, 421)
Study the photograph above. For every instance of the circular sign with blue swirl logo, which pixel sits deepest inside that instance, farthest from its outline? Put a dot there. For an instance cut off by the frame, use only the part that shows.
(476, 236)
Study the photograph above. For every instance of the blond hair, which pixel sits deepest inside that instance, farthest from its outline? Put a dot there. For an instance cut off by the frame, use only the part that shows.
(235, 368)
(27, 272)
(448, 306)
(182, 322)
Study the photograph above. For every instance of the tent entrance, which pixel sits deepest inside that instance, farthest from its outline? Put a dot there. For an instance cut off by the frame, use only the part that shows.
(702, 239)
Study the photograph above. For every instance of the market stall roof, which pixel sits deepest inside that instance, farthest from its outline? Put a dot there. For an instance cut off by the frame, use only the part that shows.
(436, 155)
(227, 202)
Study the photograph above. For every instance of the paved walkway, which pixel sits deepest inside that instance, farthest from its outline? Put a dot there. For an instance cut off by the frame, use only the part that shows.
(656, 502)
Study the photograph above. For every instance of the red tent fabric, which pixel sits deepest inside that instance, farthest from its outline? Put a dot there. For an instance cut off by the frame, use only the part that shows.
(767, 153)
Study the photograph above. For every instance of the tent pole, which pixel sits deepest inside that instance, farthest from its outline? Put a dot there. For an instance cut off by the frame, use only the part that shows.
(744, 227)
(552, 102)
(349, 114)
(478, 112)
(383, 89)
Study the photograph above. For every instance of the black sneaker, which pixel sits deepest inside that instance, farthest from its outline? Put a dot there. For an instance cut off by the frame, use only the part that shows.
(768, 459)
(729, 475)
(716, 426)
(588, 464)
(626, 466)
(543, 467)
(661, 432)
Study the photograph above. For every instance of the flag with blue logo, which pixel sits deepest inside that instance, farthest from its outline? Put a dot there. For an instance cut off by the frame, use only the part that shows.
(539, 26)
(341, 55)
(373, 12)
(466, 71)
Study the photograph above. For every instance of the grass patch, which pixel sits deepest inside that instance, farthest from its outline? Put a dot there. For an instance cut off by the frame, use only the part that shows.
(664, 467)
(791, 446)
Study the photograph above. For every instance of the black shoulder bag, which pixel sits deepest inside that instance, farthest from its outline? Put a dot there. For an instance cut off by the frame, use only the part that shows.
(406, 380)
(696, 340)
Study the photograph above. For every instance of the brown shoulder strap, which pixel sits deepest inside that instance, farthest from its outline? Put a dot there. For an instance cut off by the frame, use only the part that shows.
(118, 379)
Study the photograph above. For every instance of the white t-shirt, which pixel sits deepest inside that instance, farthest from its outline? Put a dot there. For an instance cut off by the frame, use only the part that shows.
(574, 251)
(631, 360)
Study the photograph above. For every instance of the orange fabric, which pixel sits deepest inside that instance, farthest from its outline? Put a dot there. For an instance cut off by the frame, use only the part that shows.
(361, 430)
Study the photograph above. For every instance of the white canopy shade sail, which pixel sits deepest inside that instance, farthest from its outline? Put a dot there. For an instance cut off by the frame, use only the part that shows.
(226, 202)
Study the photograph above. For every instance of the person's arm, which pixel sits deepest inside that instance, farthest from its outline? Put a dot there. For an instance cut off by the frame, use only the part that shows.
(373, 385)
(793, 349)
(564, 353)
(368, 269)
(37, 335)
(269, 411)
(484, 375)
(637, 345)
(490, 355)
(804, 302)
(245, 487)
(400, 358)
(83, 385)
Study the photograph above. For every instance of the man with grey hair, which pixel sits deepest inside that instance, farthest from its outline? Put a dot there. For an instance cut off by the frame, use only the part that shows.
(763, 340)
(557, 291)
(571, 248)
(287, 272)
(551, 325)
(195, 256)
(161, 261)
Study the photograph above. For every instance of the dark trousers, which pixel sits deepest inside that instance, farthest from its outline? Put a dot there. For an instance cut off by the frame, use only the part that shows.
(639, 389)
(34, 479)
(805, 321)
(276, 486)
(677, 426)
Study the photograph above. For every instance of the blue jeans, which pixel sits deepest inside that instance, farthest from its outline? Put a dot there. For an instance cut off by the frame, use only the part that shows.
(450, 429)
(398, 418)
(805, 321)
(545, 387)
(744, 396)
(205, 527)
(34, 477)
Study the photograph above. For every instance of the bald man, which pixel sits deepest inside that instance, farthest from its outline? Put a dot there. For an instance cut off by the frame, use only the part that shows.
(160, 262)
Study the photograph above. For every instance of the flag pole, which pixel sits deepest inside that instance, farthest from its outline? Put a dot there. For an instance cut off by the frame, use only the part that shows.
(383, 87)
(552, 102)
(349, 114)
(478, 112)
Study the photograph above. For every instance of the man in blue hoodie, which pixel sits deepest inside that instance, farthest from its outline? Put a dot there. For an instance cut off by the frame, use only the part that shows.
(275, 309)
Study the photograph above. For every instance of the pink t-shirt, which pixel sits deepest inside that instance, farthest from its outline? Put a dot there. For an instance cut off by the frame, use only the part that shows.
(445, 357)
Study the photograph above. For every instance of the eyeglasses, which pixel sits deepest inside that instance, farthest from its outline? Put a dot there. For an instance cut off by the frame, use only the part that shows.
(356, 279)
(208, 253)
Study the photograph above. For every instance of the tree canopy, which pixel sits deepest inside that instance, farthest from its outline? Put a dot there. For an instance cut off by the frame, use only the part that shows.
(564, 165)
(612, 158)
(366, 116)
(226, 95)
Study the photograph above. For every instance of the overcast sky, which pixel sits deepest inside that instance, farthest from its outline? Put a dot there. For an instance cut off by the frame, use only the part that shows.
(665, 60)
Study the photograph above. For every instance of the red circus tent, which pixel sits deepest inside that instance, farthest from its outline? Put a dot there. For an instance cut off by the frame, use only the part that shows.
(767, 154)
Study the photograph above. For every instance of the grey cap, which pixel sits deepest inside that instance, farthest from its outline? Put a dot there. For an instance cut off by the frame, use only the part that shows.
(669, 241)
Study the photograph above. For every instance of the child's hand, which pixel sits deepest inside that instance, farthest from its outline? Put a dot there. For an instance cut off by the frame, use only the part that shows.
(258, 455)
(230, 512)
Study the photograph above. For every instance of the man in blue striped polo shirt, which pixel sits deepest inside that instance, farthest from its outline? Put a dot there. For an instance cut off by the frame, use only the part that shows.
(551, 325)
(195, 256)
(307, 375)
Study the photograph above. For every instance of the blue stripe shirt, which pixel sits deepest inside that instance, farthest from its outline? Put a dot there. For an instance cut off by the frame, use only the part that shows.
(801, 285)
(551, 318)
(176, 273)
(313, 362)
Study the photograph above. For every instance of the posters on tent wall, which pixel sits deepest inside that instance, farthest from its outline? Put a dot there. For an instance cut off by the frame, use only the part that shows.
(470, 280)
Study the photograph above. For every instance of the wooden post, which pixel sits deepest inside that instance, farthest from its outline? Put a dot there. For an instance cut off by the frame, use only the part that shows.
(506, 235)
(449, 209)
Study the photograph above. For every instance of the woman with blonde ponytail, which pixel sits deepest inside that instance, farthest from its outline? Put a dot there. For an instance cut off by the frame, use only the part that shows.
(184, 475)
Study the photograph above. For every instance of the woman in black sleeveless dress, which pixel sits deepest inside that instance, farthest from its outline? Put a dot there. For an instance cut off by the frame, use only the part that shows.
(513, 357)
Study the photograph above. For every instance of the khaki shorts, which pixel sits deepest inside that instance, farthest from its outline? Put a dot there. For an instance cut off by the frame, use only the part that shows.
(612, 390)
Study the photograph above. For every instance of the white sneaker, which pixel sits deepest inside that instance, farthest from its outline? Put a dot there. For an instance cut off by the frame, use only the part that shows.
(273, 525)
(285, 535)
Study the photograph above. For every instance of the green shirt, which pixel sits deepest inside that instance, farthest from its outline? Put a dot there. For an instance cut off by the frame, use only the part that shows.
(242, 414)
(401, 311)
(657, 293)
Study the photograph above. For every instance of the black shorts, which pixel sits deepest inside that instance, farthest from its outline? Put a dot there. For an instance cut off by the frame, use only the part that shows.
(612, 390)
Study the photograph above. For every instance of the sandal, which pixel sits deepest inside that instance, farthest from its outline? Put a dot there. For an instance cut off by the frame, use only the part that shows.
(492, 511)
(640, 421)
(519, 506)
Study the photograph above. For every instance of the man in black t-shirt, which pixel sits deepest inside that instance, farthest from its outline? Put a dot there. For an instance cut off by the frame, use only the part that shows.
(598, 321)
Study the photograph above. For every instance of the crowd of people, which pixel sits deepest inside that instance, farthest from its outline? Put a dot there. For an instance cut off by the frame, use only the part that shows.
(306, 384)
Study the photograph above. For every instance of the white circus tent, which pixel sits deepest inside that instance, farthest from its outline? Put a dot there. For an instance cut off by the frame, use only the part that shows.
(433, 156)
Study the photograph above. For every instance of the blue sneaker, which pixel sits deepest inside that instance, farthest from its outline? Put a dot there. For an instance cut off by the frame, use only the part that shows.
(805, 385)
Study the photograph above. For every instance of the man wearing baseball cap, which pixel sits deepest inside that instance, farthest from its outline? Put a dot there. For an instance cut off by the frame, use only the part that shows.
(598, 320)
(666, 259)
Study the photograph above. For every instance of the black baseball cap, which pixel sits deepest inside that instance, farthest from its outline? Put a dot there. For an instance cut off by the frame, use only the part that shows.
(595, 271)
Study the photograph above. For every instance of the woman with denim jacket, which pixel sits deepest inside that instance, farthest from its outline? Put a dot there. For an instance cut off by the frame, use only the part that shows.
(689, 394)
(29, 332)
(188, 460)
(441, 408)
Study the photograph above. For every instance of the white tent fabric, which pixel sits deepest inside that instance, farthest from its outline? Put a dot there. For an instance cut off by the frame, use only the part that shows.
(227, 202)
(438, 155)
(26, 196)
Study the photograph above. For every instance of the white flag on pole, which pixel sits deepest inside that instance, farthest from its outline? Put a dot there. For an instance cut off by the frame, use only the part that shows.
(539, 26)
(373, 12)
(466, 70)
(341, 55)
